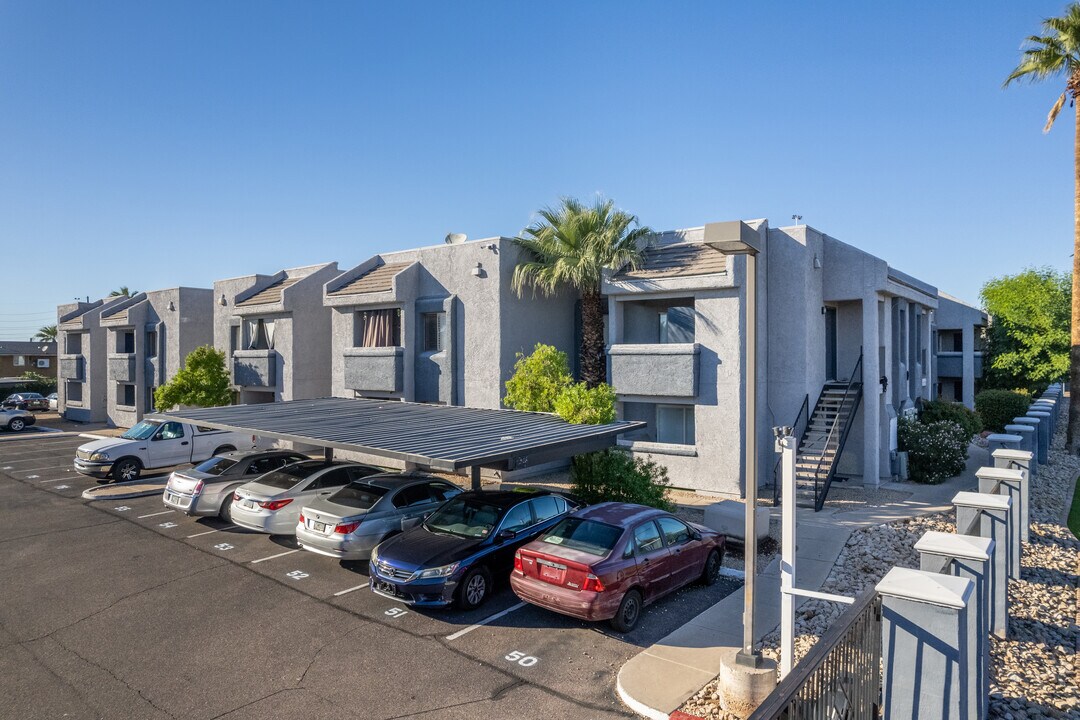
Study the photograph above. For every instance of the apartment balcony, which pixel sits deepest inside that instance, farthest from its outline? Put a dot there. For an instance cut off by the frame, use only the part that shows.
(255, 368)
(122, 367)
(72, 367)
(378, 369)
(661, 370)
(951, 364)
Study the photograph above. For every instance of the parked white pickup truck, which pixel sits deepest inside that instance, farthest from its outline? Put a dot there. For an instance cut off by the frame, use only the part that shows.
(157, 444)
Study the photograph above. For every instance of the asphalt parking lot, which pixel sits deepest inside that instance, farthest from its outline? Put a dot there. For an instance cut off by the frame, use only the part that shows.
(125, 609)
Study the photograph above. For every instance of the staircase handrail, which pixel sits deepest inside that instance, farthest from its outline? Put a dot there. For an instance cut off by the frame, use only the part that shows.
(819, 500)
(804, 417)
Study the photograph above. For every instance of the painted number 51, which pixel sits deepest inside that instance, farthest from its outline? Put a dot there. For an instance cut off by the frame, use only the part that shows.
(522, 659)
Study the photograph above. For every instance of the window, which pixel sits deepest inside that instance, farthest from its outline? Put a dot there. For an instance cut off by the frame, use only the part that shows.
(170, 430)
(151, 343)
(259, 466)
(675, 424)
(647, 537)
(377, 328)
(434, 328)
(74, 343)
(595, 538)
(234, 339)
(261, 334)
(126, 395)
(331, 478)
(413, 495)
(675, 532)
(545, 508)
(677, 325)
(149, 398)
(125, 342)
(74, 392)
(441, 492)
(20, 360)
(519, 518)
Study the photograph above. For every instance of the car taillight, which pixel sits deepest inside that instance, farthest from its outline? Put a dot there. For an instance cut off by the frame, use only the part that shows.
(275, 504)
(517, 562)
(198, 487)
(346, 528)
(236, 498)
(302, 519)
(592, 584)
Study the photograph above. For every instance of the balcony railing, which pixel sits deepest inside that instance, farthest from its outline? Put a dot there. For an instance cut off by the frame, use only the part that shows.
(122, 367)
(661, 370)
(72, 367)
(375, 369)
(255, 368)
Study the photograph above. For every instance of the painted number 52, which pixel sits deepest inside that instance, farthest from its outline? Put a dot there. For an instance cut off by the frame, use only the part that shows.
(522, 659)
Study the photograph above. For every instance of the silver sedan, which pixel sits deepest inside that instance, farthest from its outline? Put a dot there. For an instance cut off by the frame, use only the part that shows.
(207, 488)
(271, 504)
(349, 523)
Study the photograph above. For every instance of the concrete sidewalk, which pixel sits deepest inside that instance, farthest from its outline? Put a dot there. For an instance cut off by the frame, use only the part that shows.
(657, 681)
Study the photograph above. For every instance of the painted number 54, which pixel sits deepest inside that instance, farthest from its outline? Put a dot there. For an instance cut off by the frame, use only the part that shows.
(522, 659)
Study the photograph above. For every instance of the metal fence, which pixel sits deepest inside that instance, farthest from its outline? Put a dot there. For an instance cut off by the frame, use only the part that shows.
(840, 678)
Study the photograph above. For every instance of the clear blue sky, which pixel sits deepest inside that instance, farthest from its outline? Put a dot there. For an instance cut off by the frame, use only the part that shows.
(152, 144)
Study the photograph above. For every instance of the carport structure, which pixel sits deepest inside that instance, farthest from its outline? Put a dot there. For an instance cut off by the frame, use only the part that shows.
(445, 438)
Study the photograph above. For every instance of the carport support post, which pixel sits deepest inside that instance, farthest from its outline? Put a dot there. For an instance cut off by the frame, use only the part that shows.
(328, 454)
(475, 472)
(786, 445)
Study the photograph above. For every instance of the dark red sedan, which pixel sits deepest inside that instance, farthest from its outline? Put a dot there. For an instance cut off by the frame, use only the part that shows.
(608, 561)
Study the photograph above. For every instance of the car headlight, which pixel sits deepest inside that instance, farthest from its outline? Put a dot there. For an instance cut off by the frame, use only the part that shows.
(99, 457)
(374, 555)
(440, 572)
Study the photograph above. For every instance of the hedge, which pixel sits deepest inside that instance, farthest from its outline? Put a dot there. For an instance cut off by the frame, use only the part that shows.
(997, 408)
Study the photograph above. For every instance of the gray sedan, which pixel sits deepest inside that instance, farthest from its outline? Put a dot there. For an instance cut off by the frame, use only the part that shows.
(349, 523)
(207, 488)
(16, 420)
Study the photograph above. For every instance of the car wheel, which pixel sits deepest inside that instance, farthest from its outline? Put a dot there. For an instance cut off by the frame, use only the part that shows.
(626, 619)
(16, 424)
(475, 587)
(226, 508)
(127, 470)
(711, 571)
(224, 449)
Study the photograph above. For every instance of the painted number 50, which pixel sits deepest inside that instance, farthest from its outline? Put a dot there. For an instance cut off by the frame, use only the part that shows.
(522, 659)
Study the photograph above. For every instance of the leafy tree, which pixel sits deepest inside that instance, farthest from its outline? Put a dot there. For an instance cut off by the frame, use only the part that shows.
(1028, 337)
(202, 382)
(1056, 54)
(571, 246)
(580, 404)
(538, 379)
(123, 291)
(615, 475)
(47, 333)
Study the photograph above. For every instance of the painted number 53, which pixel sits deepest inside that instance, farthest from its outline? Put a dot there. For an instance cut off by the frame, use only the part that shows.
(522, 659)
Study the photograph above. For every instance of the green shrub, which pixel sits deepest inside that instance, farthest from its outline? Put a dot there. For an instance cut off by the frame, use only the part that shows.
(997, 408)
(614, 475)
(581, 405)
(936, 410)
(538, 380)
(203, 381)
(936, 450)
(31, 382)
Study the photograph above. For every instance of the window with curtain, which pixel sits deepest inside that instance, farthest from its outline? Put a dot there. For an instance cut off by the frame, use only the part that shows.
(378, 328)
(260, 334)
(675, 424)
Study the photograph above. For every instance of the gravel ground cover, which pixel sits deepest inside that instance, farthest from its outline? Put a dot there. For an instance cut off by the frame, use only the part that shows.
(1034, 673)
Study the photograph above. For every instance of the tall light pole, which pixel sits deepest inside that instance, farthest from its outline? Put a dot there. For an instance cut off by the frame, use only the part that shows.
(738, 238)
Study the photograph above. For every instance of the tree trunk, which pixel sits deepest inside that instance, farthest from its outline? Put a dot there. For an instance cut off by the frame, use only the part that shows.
(1074, 351)
(593, 361)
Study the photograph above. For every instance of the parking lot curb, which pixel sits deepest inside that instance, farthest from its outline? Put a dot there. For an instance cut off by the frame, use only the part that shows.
(115, 491)
(637, 706)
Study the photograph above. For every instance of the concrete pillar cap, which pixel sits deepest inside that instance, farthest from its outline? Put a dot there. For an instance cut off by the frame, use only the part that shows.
(992, 473)
(927, 587)
(986, 501)
(1005, 437)
(1020, 428)
(1038, 414)
(1011, 454)
(968, 547)
(1025, 420)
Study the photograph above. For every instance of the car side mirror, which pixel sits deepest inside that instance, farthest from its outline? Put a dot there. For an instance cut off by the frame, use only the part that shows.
(695, 534)
(505, 535)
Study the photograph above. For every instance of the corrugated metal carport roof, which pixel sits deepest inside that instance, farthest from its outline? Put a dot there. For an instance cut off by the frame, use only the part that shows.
(440, 437)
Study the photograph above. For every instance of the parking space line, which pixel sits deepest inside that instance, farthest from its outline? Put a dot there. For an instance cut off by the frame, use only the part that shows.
(288, 552)
(227, 527)
(52, 480)
(358, 587)
(163, 512)
(485, 621)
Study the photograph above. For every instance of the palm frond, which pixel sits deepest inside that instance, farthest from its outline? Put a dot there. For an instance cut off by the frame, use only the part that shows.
(1054, 112)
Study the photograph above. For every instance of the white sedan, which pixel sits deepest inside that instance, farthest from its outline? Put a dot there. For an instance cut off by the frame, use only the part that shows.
(16, 420)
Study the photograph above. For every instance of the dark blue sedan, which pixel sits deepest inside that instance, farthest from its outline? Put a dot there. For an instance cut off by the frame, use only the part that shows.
(454, 555)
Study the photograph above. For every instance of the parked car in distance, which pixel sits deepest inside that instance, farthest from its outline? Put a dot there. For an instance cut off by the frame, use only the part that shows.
(157, 443)
(207, 488)
(16, 420)
(455, 555)
(356, 518)
(53, 399)
(610, 560)
(25, 401)
(272, 502)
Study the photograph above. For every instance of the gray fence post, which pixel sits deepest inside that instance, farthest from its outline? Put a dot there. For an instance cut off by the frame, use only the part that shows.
(997, 441)
(929, 646)
(968, 557)
(988, 516)
(1036, 436)
(1027, 442)
(1045, 434)
(1019, 460)
(1011, 483)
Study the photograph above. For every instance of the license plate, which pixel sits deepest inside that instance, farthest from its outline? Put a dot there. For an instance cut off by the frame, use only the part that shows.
(173, 498)
(318, 526)
(550, 573)
(386, 587)
(248, 503)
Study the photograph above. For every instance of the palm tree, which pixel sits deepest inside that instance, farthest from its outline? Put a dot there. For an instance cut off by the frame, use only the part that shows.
(123, 292)
(572, 245)
(1056, 54)
(47, 333)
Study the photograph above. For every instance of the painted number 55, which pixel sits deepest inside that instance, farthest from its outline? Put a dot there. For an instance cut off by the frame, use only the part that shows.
(522, 659)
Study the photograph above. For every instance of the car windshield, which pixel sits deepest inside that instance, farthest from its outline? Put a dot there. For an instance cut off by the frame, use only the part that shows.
(464, 517)
(358, 495)
(142, 431)
(595, 538)
(215, 465)
(290, 475)
(31, 396)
